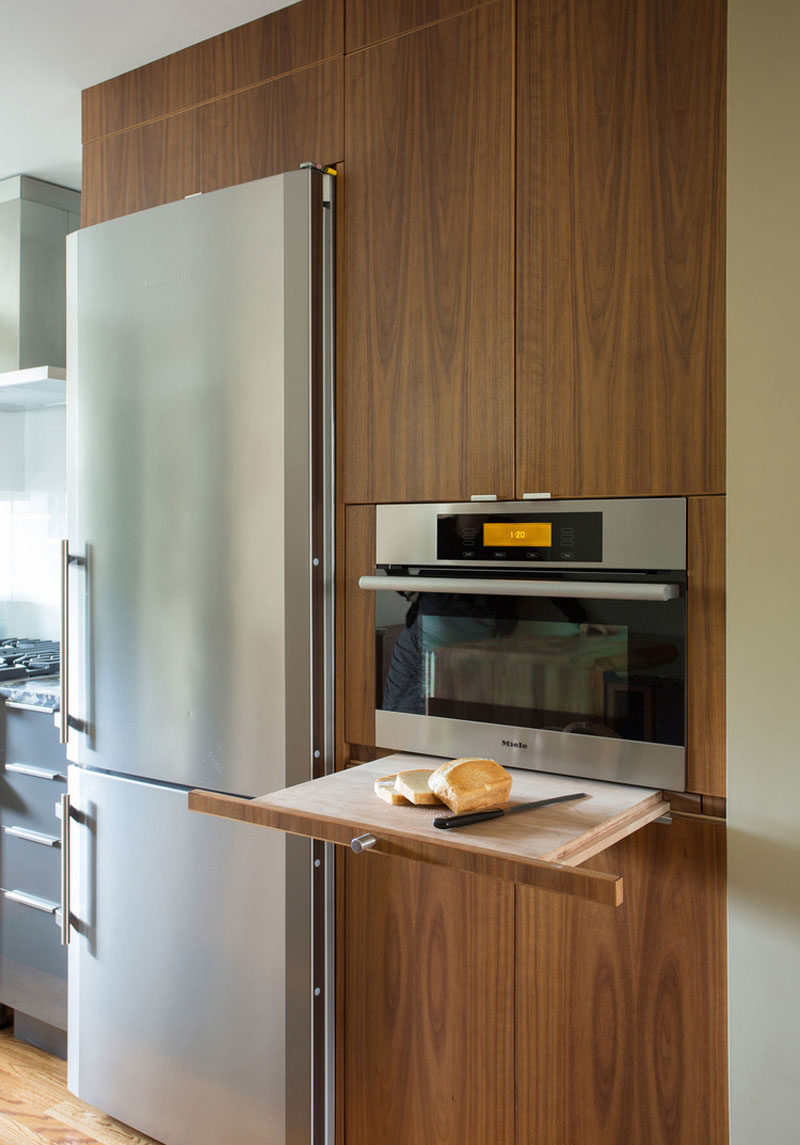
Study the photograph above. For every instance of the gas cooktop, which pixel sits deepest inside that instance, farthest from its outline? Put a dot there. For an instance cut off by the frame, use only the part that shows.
(22, 658)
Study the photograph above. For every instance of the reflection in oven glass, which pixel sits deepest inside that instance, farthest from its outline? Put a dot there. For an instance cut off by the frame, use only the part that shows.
(557, 664)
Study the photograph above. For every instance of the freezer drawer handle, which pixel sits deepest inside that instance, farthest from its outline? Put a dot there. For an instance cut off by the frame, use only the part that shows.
(362, 843)
(32, 836)
(62, 913)
(588, 590)
(35, 772)
(24, 899)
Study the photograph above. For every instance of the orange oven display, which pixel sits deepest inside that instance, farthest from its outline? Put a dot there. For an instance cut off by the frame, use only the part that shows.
(531, 534)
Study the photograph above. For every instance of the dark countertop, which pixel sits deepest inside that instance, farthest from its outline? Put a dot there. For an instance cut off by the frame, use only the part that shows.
(41, 691)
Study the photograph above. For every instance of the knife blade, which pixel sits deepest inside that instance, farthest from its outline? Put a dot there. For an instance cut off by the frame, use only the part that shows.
(450, 821)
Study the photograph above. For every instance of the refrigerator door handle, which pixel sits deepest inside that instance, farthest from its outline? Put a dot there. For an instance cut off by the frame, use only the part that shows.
(62, 914)
(63, 726)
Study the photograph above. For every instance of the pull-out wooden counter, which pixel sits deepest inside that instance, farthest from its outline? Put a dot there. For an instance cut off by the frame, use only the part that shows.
(538, 848)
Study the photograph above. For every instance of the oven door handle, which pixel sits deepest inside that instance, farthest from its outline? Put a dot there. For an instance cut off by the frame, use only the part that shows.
(586, 590)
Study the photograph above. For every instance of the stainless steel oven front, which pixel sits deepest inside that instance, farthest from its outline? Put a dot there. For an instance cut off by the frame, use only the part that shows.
(548, 635)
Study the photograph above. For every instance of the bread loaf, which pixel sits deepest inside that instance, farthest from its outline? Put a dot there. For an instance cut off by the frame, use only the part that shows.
(414, 785)
(385, 789)
(471, 784)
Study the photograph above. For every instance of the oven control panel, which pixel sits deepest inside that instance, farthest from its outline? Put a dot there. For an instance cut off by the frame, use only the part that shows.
(523, 536)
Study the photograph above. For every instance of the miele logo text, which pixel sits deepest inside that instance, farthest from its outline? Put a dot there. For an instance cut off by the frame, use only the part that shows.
(512, 743)
(169, 279)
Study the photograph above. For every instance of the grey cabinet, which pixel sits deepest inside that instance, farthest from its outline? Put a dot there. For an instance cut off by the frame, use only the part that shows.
(33, 964)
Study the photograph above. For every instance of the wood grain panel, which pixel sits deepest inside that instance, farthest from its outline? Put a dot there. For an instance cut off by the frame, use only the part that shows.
(174, 83)
(371, 20)
(620, 199)
(705, 699)
(715, 805)
(150, 165)
(294, 37)
(429, 1006)
(359, 623)
(265, 130)
(428, 255)
(303, 33)
(621, 1015)
(278, 125)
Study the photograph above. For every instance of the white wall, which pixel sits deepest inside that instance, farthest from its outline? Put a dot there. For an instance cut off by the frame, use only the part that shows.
(32, 520)
(764, 570)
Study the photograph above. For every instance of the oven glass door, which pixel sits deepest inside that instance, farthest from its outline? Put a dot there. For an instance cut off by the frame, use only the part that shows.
(614, 668)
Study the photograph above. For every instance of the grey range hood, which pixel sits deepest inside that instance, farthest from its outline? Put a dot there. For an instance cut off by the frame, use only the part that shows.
(35, 218)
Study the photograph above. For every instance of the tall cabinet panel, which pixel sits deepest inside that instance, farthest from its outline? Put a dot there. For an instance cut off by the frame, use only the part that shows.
(429, 1006)
(620, 1013)
(620, 185)
(427, 313)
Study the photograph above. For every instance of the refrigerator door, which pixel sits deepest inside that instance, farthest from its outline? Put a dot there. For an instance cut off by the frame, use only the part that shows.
(191, 396)
(189, 968)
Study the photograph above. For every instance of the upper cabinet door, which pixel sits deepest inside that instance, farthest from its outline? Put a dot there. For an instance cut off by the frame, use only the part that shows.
(620, 199)
(427, 385)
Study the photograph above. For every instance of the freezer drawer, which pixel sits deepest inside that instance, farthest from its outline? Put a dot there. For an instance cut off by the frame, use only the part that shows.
(32, 738)
(29, 861)
(190, 971)
(28, 799)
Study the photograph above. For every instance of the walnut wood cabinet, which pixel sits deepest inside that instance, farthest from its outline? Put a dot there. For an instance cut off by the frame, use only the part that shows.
(621, 1014)
(255, 101)
(620, 247)
(429, 1006)
(476, 1013)
(427, 357)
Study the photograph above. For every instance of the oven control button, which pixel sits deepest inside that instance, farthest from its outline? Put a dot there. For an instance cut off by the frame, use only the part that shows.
(499, 554)
(568, 556)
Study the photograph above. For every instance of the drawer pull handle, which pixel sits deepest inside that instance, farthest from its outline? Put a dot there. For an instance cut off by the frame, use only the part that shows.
(28, 707)
(36, 772)
(362, 843)
(32, 836)
(33, 901)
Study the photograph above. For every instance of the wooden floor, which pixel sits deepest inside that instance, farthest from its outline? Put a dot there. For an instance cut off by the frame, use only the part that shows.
(37, 1109)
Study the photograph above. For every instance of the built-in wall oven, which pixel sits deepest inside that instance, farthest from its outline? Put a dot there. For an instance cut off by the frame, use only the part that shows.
(548, 635)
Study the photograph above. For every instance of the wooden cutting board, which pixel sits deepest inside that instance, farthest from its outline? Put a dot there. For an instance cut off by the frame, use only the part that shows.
(538, 848)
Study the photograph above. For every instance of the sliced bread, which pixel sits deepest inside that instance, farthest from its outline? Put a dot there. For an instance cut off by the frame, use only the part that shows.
(469, 784)
(385, 789)
(414, 785)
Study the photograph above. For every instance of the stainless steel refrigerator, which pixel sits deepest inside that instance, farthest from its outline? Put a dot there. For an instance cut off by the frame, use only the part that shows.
(198, 614)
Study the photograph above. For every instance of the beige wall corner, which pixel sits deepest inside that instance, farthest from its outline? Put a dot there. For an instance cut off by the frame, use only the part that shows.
(764, 569)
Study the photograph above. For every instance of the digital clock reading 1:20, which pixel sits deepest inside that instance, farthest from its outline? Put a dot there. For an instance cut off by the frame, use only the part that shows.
(528, 534)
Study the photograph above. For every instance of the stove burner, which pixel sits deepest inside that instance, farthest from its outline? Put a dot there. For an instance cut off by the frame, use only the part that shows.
(21, 658)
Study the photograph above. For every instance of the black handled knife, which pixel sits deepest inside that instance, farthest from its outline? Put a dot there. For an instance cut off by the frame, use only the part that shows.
(450, 821)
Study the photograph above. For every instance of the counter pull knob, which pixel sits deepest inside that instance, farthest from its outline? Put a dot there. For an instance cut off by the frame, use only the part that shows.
(362, 843)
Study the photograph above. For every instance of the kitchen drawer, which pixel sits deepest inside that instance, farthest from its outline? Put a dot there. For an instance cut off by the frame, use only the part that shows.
(31, 737)
(28, 801)
(31, 863)
(33, 965)
(541, 848)
(31, 937)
